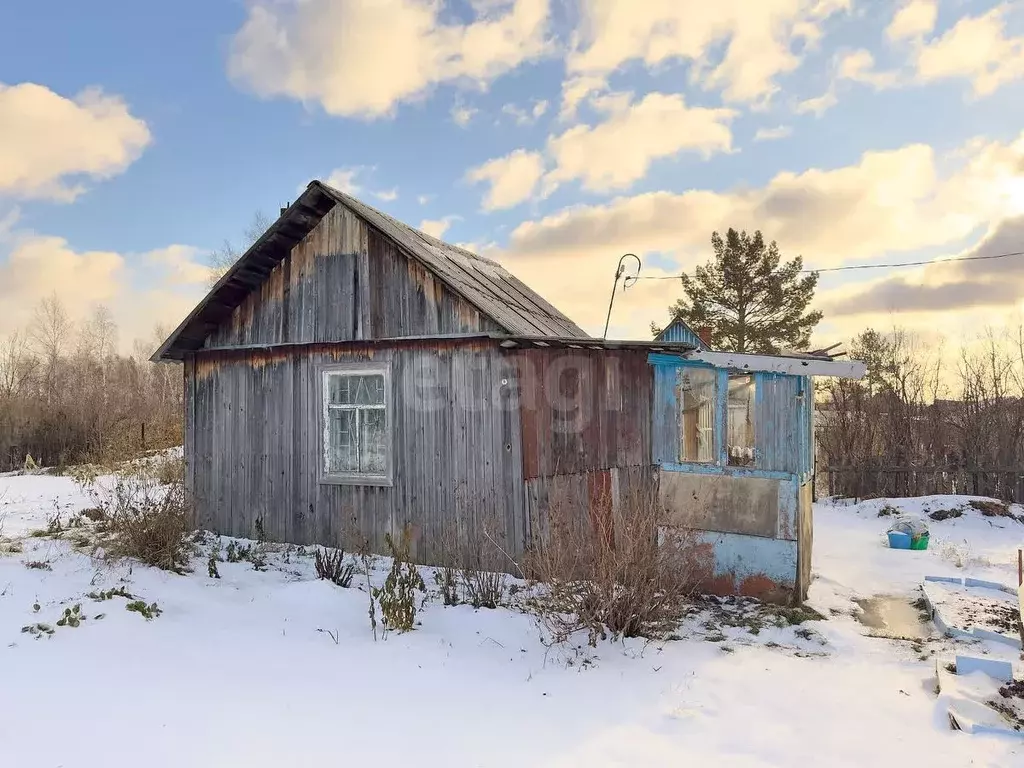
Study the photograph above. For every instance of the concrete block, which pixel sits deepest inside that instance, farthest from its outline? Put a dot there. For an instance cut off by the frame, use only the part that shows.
(1000, 670)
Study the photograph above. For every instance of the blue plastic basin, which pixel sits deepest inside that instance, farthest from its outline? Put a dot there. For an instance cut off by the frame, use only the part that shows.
(899, 540)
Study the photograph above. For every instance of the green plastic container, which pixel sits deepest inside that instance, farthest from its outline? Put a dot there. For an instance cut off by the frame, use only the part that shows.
(919, 542)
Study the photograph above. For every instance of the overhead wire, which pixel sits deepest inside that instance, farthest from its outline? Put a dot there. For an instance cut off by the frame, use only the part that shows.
(848, 267)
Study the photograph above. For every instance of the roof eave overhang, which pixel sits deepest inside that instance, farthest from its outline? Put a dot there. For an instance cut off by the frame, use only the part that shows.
(251, 269)
(804, 365)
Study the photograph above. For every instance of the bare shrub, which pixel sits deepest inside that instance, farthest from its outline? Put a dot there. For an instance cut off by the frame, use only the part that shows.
(484, 589)
(331, 566)
(147, 520)
(620, 575)
(168, 470)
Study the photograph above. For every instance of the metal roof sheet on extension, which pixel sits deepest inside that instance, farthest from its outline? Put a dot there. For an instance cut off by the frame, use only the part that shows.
(485, 284)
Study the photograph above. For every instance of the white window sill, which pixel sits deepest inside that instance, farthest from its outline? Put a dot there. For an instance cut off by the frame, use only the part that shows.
(376, 480)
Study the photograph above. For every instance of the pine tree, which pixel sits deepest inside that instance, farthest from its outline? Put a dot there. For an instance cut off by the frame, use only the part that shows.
(750, 302)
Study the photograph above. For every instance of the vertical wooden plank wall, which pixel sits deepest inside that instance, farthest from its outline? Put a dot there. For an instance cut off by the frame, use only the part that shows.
(457, 450)
(346, 281)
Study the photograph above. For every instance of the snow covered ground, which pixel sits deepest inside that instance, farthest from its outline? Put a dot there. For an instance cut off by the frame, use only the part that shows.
(236, 670)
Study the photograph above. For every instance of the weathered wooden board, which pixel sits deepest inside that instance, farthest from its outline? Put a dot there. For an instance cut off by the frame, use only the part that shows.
(347, 281)
(456, 448)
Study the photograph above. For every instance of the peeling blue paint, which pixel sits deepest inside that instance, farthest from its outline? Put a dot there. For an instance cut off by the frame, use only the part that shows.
(717, 469)
(783, 451)
(742, 557)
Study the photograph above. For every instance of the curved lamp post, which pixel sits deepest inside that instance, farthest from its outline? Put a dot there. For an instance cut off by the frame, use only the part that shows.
(630, 279)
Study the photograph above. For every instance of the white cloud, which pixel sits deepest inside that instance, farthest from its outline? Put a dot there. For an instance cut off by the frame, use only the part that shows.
(349, 180)
(889, 202)
(141, 290)
(50, 144)
(512, 178)
(344, 180)
(976, 280)
(462, 115)
(620, 150)
(39, 266)
(757, 39)
(8, 222)
(437, 227)
(915, 19)
(363, 58)
(859, 66)
(976, 48)
(424, 199)
(578, 89)
(818, 105)
(524, 116)
(181, 265)
(771, 134)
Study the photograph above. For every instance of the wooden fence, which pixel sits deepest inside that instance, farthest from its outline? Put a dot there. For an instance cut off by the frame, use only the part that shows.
(866, 481)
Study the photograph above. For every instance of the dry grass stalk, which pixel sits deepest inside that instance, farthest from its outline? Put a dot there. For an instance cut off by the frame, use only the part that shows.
(471, 563)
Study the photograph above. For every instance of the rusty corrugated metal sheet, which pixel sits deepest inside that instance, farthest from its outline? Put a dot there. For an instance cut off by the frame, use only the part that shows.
(584, 410)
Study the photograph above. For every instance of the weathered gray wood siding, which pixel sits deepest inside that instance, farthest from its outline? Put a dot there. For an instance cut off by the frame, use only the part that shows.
(347, 281)
(456, 442)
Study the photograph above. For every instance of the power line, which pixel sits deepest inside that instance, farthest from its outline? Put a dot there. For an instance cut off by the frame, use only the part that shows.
(867, 266)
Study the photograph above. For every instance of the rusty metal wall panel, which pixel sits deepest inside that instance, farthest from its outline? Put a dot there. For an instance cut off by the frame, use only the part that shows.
(456, 449)
(589, 498)
(584, 410)
(346, 281)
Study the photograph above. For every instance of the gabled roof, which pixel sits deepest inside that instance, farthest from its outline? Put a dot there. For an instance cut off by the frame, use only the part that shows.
(679, 330)
(485, 284)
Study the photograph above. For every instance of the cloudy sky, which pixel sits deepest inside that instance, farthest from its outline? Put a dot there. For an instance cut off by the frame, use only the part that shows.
(553, 135)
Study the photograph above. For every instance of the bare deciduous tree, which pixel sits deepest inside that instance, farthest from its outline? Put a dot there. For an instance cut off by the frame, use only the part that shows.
(69, 396)
(224, 257)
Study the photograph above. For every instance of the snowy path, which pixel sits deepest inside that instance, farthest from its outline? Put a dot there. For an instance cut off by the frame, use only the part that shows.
(234, 671)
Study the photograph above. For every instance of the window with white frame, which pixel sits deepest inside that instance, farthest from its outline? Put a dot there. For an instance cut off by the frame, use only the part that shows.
(357, 445)
(696, 389)
(740, 420)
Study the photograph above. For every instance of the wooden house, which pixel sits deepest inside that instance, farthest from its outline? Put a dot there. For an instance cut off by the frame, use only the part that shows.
(350, 374)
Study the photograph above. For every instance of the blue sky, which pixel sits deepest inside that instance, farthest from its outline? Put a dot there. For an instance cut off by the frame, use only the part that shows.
(237, 124)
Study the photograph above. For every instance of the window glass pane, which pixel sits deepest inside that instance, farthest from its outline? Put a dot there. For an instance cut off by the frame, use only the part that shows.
(355, 389)
(740, 420)
(338, 389)
(342, 441)
(695, 390)
(373, 453)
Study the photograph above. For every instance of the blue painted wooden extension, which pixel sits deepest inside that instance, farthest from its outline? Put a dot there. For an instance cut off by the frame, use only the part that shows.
(745, 559)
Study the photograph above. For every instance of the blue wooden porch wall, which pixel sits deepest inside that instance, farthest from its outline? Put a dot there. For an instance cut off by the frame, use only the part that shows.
(783, 446)
(783, 427)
